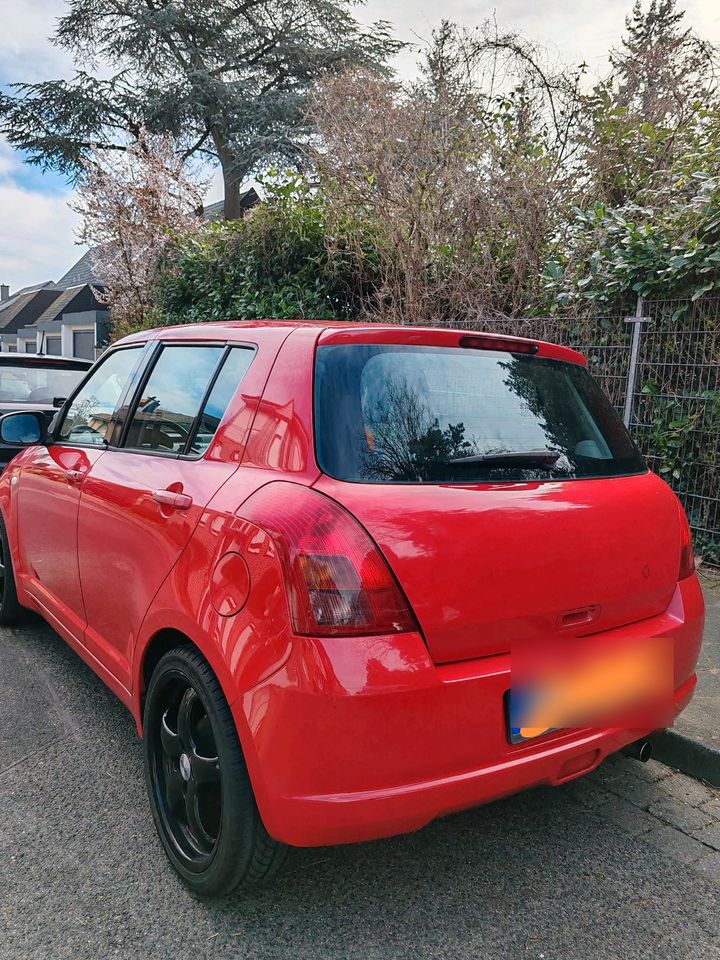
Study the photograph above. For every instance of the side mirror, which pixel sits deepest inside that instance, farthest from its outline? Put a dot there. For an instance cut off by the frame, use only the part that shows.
(22, 429)
(58, 402)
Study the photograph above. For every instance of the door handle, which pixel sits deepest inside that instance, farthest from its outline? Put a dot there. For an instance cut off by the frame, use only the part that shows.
(75, 476)
(170, 498)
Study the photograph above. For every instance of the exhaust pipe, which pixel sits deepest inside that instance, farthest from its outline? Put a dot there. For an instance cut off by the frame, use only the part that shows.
(640, 750)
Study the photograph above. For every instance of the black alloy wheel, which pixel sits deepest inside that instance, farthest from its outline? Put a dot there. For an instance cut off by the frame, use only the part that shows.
(197, 781)
(187, 774)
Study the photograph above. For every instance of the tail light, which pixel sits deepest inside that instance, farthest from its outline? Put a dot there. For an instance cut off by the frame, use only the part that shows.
(687, 554)
(337, 581)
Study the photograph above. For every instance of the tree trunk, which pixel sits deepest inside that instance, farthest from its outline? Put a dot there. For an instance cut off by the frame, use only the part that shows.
(233, 177)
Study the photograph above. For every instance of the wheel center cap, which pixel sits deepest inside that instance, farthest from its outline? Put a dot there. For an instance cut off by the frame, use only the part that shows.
(185, 767)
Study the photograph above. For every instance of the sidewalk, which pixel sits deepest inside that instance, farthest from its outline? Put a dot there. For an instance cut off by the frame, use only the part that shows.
(693, 744)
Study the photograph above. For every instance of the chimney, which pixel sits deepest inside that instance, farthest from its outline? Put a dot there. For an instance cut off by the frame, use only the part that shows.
(4, 292)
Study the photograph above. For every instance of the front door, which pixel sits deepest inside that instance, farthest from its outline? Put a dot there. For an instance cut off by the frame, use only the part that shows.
(50, 488)
(143, 500)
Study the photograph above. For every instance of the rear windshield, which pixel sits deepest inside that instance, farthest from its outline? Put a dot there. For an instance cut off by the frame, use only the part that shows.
(408, 414)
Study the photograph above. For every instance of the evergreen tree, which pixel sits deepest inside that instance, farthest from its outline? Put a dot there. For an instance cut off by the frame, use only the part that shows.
(662, 66)
(226, 78)
(659, 103)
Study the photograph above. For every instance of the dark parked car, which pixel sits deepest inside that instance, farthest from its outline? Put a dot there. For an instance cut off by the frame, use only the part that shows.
(37, 382)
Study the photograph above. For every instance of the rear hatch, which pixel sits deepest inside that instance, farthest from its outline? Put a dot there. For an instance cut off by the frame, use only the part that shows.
(501, 487)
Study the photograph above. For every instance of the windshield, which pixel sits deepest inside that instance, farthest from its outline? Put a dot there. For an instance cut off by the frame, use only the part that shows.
(36, 384)
(394, 413)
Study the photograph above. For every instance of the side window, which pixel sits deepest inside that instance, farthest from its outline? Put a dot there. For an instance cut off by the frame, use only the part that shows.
(233, 370)
(89, 418)
(165, 413)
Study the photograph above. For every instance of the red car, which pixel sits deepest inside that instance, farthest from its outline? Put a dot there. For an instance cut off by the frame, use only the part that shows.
(300, 553)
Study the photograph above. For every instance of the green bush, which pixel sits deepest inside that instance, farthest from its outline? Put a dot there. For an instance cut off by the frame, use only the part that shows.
(277, 262)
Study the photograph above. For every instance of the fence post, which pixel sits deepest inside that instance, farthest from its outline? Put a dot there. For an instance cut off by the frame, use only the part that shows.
(637, 321)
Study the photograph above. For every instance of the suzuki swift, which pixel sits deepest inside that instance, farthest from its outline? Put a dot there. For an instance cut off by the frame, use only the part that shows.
(304, 555)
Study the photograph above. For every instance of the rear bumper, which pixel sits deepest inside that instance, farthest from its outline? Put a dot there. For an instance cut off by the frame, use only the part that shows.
(364, 738)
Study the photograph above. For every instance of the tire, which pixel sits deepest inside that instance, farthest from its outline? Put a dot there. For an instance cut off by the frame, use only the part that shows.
(11, 611)
(198, 784)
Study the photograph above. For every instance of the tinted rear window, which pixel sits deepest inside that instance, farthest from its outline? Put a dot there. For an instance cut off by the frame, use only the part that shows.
(407, 414)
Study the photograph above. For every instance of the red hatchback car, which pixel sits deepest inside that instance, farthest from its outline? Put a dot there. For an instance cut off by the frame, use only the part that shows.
(301, 553)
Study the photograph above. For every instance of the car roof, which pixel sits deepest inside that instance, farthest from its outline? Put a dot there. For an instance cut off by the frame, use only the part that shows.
(44, 360)
(342, 331)
(216, 329)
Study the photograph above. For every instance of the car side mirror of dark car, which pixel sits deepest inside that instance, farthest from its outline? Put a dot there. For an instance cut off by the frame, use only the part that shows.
(58, 402)
(22, 429)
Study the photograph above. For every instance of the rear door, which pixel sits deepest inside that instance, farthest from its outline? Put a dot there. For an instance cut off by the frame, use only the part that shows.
(502, 488)
(143, 500)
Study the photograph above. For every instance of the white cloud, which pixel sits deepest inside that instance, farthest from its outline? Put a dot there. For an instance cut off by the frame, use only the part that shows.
(36, 229)
(26, 53)
(36, 241)
(574, 30)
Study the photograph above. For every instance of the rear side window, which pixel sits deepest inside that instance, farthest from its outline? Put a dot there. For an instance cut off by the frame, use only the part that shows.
(408, 414)
(231, 373)
(185, 397)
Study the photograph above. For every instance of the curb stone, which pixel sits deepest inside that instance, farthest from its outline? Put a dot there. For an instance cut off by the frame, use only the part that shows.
(689, 756)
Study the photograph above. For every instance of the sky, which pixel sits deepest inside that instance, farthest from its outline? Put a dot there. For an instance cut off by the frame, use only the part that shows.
(37, 228)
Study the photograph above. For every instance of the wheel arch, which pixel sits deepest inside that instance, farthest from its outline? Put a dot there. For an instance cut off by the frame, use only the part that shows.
(157, 644)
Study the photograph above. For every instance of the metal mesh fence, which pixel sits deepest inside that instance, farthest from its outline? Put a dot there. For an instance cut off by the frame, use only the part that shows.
(675, 410)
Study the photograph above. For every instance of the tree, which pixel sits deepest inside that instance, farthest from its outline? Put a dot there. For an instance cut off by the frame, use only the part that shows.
(647, 221)
(132, 205)
(661, 95)
(227, 79)
(461, 176)
(662, 67)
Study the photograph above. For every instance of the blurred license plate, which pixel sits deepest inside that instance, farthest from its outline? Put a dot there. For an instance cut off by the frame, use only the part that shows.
(627, 682)
(516, 709)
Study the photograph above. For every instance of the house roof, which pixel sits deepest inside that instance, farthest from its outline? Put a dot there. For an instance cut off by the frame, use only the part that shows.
(6, 304)
(72, 300)
(81, 272)
(215, 211)
(26, 308)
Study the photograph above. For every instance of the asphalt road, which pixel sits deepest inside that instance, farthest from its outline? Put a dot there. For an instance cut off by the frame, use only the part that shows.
(623, 864)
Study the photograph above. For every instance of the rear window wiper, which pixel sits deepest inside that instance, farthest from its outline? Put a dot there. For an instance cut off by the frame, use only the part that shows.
(515, 458)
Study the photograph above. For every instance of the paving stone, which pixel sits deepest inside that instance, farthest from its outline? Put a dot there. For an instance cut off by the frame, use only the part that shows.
(710, 835)
(652, 771)
(709, 865)
(614, 766)
(688, 790)
(627, 815)
(640, 792)
(587, 793)
(712, 807)
(682, 815)
(676, 845)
